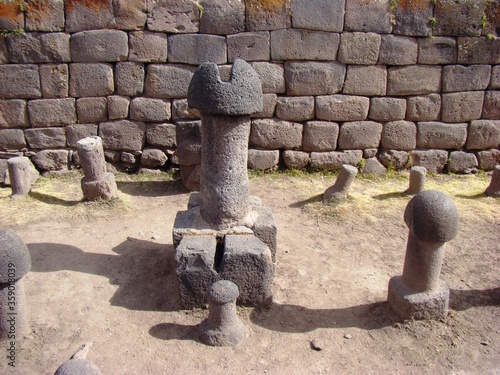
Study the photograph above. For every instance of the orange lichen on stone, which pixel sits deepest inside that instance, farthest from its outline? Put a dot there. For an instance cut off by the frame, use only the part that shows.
(92, 4)
(38, 9)
(413, 4)
(271, 6)
(10, 10)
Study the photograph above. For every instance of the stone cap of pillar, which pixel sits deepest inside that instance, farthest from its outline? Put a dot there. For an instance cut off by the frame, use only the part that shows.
(89, 143)
(241, 95)
(432, 216)
(223, 291)
(15, 260)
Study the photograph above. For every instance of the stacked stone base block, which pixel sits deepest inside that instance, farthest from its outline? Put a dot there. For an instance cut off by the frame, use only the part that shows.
(104, 188)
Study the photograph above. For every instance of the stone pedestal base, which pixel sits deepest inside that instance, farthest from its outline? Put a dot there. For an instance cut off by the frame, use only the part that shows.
(104, 188)
(407, 304)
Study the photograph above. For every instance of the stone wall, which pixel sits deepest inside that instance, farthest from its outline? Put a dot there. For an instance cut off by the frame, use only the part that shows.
(373, 83)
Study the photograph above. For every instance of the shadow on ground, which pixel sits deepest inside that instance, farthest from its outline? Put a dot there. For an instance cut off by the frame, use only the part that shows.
(151, 188)
(172, 331)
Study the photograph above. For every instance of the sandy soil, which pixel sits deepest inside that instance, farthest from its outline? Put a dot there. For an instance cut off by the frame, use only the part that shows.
(104, 273)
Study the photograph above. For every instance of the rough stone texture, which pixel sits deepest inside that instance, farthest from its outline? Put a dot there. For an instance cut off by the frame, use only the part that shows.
(54, 80)
(123, 135)
(76, 132)
(90, 79)
(299, 108)
(51, 160)
(174, 16)
(118, 107)
(168, 81)
(488, 159)
(334, 159)
(495, 77)
(13, 114)
(359, 48)
(22, 175)
(263, 159)
(78, 366)
(269, 102)
(181, 110)
(298, 44)
(369, 153)
(222, 17)
(414, 80)
(462, 162)
(147, 46)
(440, 135)
(39, 47)
(362, 15)
(153, 158)
(261, 15)
(249, 46)
(373, 167)
(423, 108)
(491, 108)
(342, 107)
(20, 81)
(417, 180)
(398, 50)
(276, 134)
(12, 18)
(462, 106)
(129, 78)
(466, 78)
(314, 78)
(4, 54)
(340, 190)
(493, 189)
(295, 159)
(478, 50)
(46, 138)
(320, 136)
(412, 18)
(359, 135)
(161, 135)
(92, 109)
(326, 15)
(433, 160)
(370, 80)
(12, 139)
(271, 76)
(196, 49)
(437, 50)
(483, 134)
(147, 109)
(394, 159)
(399, 135)
(387, 109)
(52, 112)
(84, 15)
(99, 45)
(130, 14)
(459, 18)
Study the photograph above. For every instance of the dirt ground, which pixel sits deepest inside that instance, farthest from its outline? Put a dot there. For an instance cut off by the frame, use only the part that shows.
(104, 273)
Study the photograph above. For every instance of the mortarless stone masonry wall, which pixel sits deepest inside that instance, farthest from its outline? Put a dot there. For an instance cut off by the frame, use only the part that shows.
(394, 82)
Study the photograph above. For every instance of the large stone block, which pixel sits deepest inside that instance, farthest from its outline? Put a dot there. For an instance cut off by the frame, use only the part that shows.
(266, 15)
(483, 134)
(4, 53)
(295, 159)
(89, 15)
(298, 44)
(438, 135)
(90, 79)
(459, 18)
(362, 15)
(271, 76)
(46, 138)
(153, 158)
(168, 81)
(342, 107)
(387, 109)
(462, 106)
(320, 136)
(19, 82)
(276, 134)
(437, 50)
(129, 78)
(491, 107)
(222, 17)
(92, 110)
(174, 16)
(359, 135)
(146, 46)
(414, 80)
(480, 50)
(413, 17)
(13, 114)
(298, 108)
(263, 159)
(39, 47)
(314, 78)
(432, 160)
(466, 78)
(152, 110)
(99, 45)
(11, 17)
(12, 139)
(335, 159)
(118, 107)
(495, 77)
(326, 15)
(398, 50)
(123, 135)
(76, 132)
(488, 159)
(399, 135)
(130, 14)
(423, 108)
(161, 135)
(269, 102)
(51, 160)
(249, 46)
(359, 48)
(369, 80)
(54, 80)
(52, 112)
(462, 162)
(196, 49)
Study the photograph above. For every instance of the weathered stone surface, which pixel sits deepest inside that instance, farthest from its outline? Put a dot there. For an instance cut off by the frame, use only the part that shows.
(130, 14)
(342, 107)
(459, 18)
(373, 16)
(130, 78)
(399, 135)
(369, 153)
(466, 78)
(320, 136)
(196, 49)
(359, 135)
(222, 17)
(20, 81)
(398, 50)
(118, 107)
(488, 159)
(269, 102)
(314, 78)
(51, 160)
(162, 135)
(99, 45)
(298, 108)
(263, 159)
(92, 110)
(373, 167)
(129, 158)
(39, 47)
(189, 154)
(13, 114)
(52, 112)
(147, 109)
(394, 159)
(340, 189)
(359, 48)
(326, 15)
(432, 160)
(168, 81)
(76, 132)
(437, 50)
(46, 138)
(147, 46)
(22, 175)
(54, 80)
(413, 18)
(261, 15)
(14, 250)
(493, 189)
(335, 159)
(271, 76)
(276, 134)
(481, 50)
(462, 162)
(491, 108)
(4, 54)
(483, 134)
(12, 139)
(153, 158)
(123, 135)
(90, 79)
(462, 106)
(417, 180)
(387, 109)
(495, 77)
(12, 18)
(85, 15)
(78, 366)
(295, 159)
(174, 16)
(440, 135)
(414, 80)
(181, 110)
(249, 46)
(369, 80)
(298, 44)
(423, 108)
